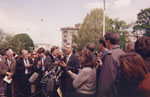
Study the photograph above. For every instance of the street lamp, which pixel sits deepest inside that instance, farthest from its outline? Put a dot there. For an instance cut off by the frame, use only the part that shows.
(42, 31)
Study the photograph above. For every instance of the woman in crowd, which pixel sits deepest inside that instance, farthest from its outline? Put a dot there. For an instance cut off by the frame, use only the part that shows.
(129, 47)
(142, 47)
(135, 77)
(85, 81)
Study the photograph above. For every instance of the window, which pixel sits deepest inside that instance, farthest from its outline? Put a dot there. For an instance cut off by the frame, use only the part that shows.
(65, 41)
(65, 36)
(65, 31)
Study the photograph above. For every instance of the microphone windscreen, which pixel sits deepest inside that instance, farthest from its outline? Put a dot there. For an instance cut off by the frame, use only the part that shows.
(33, 77)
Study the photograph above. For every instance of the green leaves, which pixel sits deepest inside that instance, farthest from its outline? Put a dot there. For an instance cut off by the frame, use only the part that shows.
(91, 29)
(120, 27)
(5, 39)
(22, 41)
(143, 22)
(17, 42)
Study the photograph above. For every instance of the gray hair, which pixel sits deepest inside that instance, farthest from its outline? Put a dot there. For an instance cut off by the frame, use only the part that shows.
(9, 52)
(24, 51)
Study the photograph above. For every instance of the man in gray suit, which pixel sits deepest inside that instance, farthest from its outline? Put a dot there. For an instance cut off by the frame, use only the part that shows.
(7, 68)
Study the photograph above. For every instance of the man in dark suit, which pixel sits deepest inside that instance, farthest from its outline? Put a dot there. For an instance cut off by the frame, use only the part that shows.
(7, 68)
(71, 63)
(41, 65)
(23, 73)
(44, 61)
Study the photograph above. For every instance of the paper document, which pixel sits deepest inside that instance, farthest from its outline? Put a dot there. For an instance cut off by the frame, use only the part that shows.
(7, 80)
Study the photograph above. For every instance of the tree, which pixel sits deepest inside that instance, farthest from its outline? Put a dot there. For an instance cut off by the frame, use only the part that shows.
(17, 42)
(120, 27)
(91, 29)
(1, 35)
(5, 39)
(143, 22)
(22, 41)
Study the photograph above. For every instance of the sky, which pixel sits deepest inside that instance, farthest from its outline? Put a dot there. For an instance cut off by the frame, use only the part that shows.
(24, 16)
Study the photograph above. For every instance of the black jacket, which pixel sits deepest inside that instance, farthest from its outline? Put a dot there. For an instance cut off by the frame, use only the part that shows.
(66, 81)
(21, 78)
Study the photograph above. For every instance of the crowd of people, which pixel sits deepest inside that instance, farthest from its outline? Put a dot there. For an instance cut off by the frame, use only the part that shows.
(112, 72)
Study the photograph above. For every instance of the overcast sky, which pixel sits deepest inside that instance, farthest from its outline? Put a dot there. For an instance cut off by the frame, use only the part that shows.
(18, 16)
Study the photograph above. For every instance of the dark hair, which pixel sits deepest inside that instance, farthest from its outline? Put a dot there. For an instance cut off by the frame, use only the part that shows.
(133, 68)
(86, 58)
(53, 49)
(102, 41)
(20, 52)
(41, 50)
(113, 37)
(74, 51)
(142, 46)
(90, 46)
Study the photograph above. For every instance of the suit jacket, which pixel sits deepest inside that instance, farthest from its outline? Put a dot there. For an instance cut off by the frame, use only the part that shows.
(47, 64)
(5, 68)
(73, 63)
(20, 76)
(52, 58)
(67, 82)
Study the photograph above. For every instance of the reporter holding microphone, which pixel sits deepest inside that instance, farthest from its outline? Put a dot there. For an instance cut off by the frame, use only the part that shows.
(85, 81)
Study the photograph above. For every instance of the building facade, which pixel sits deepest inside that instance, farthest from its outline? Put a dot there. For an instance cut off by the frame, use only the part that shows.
(67, 34)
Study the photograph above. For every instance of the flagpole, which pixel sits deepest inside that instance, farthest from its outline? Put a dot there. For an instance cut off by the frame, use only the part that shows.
(42, 31)
(104, 19)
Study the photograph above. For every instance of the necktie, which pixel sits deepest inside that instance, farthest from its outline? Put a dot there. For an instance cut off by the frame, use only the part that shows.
(43, 67)
(26, 63)
(9, 62)
(67, 59)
